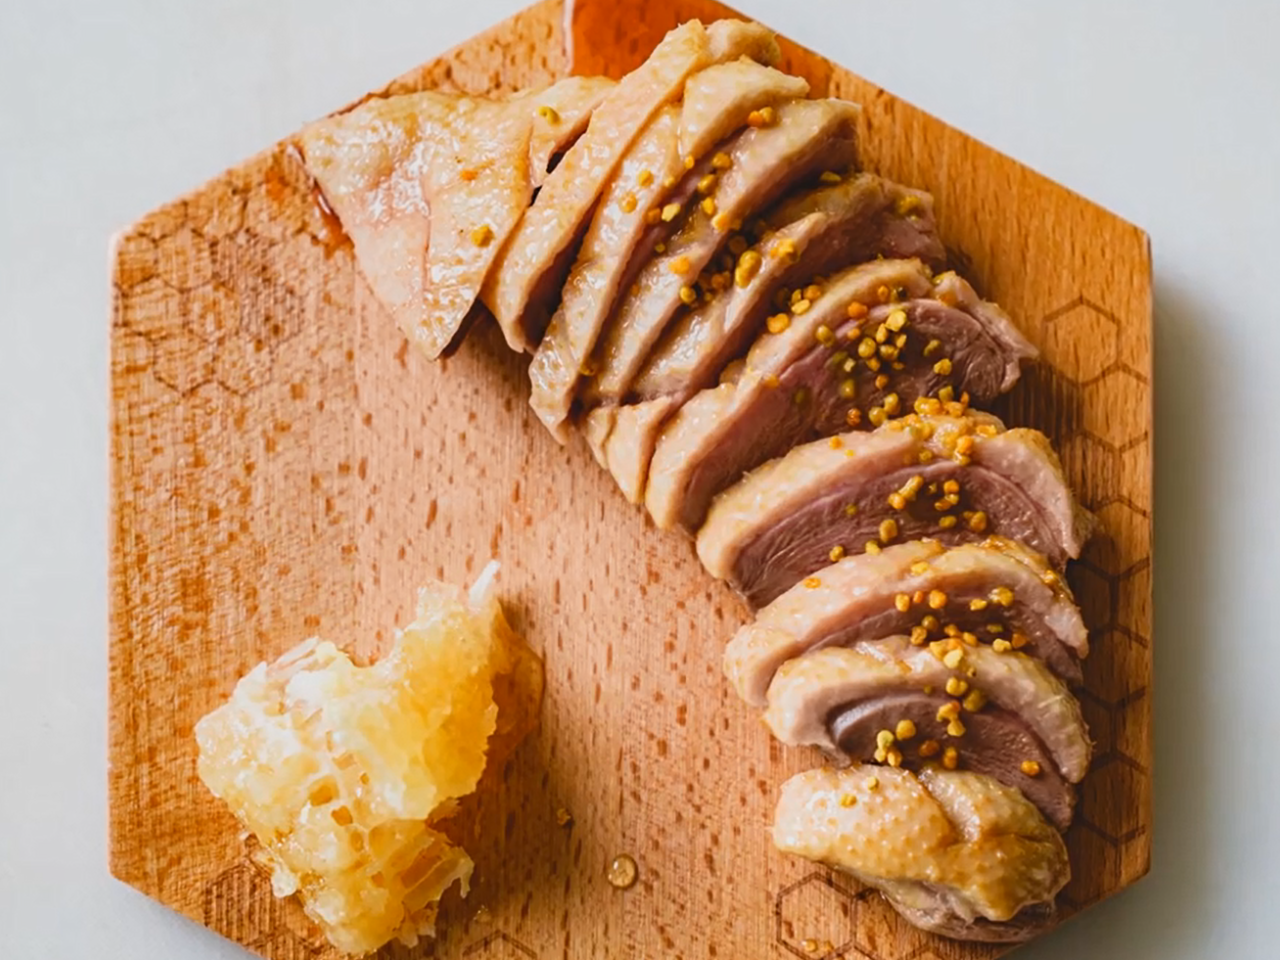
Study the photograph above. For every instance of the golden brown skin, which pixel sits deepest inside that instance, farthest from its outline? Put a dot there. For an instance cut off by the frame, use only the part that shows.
(954, 852)
(430, 185)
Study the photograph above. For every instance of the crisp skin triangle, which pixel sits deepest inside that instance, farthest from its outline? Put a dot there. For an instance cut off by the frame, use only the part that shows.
(529, 262)
(427, 186)
(955, 853)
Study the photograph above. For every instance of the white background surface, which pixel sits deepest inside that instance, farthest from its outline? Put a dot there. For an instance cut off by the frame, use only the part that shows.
(1168, 113)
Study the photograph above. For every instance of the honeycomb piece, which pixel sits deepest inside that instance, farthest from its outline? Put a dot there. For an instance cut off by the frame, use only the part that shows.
(343, 772)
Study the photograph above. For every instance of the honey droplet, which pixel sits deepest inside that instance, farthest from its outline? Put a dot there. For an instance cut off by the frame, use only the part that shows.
(623, 872)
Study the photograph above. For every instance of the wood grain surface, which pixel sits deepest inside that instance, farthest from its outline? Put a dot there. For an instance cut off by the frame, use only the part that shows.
(283, 465)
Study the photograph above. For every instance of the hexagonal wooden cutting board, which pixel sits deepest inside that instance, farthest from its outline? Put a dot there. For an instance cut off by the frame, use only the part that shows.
(283, 465)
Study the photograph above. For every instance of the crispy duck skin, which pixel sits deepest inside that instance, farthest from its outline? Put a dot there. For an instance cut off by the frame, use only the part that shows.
(954, 852)
(561, 114)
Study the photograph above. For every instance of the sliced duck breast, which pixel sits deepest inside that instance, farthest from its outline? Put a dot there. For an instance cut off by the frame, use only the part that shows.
(561, 113)
(751, 171)
(720, 99)
(838, 358)
(993, 592)
(821, 231)
(1004, 715)
(955, 479)
(852, 221)
(521, 291)
(623, 233)
(628, 435)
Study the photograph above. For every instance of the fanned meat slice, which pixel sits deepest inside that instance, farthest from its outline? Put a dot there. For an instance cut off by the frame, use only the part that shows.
(428, 186)
(1000, 714)
(996, 590)
(617, 242)
(798, 384)
(907, 228)
(560, 115)
(623, 438)
(978, 342)
(758, 166)
(957, 479)
(855, 220)
(956, 853)
(667, 433)
(848, 359)
(520, 292)
(817, 232)
(622, 234)
(721, 98)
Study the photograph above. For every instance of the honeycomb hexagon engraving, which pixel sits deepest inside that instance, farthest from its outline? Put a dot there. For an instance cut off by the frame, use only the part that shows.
(218, 211)
(213, 311)
(1095, 593)
(1108, 786)
(1109, 675)
(1134, 601)
(184, 262)
(500, 946)
(1096, 866)
(1105, 398)
(184, 361)
(240, 906)
(1135, 472)
(135, 260)
(1117, 546)
(1080, 340)
(815, 918)
(153, 309)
